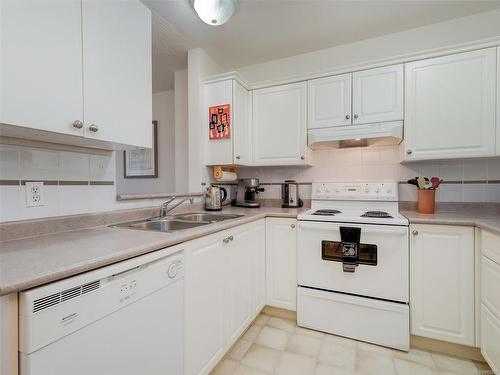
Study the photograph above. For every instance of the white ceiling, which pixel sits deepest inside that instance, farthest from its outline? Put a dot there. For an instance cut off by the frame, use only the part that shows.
(266, 30)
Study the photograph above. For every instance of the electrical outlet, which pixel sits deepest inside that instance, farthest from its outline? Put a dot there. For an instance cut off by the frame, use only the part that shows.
(34, 194)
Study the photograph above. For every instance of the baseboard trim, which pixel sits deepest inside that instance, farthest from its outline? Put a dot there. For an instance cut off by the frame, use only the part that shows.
(278, 312)
(448, 348)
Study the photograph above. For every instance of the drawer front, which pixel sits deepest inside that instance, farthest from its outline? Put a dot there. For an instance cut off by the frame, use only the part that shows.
(490, 281)
(490, 246)
(490, 339)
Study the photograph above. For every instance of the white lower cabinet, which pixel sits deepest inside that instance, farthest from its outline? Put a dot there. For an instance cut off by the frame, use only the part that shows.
(224, 292)
(281, 263)
(442, 283)
(490, 299)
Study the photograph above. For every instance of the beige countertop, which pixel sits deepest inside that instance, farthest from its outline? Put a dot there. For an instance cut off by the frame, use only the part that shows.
(29, 262)
(469, 214)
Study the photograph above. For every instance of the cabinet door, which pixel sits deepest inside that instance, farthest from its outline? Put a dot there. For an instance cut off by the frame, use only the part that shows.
(41, 65)
(442, 283)
(218, 151)
(281, 263)
(329, 101)
(117, 83)
(258, 274)
(206, 303)
(279, 125)
(239, 262)
(242, 121)
(377, 95)
(450, 106)
(490, 338)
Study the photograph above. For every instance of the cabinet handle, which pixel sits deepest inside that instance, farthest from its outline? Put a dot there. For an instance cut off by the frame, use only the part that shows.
(302, 157)
(78, 124)
(292, 226)
(93, 128)
(409, 152)
(415, 232)
(226, 240)
(238, 157)
(230, 238)
(347, 117)
(356, 116)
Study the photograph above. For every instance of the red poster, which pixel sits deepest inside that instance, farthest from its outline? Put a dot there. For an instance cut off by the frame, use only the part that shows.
(219, 122)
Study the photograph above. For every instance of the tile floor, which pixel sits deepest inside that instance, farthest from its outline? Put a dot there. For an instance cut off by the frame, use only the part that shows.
(277, 346)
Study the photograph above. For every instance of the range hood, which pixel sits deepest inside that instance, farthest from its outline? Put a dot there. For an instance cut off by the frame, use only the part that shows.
(376, 134)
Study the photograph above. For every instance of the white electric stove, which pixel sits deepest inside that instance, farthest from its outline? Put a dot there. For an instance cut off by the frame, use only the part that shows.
(353, 263)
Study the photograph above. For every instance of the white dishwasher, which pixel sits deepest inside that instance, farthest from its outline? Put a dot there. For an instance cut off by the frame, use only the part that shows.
(123, 319)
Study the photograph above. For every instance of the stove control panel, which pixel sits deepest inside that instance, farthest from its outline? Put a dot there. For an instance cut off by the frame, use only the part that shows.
(359, 191)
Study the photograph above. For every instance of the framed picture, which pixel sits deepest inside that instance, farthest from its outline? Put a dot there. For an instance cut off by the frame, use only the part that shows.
(143, 162)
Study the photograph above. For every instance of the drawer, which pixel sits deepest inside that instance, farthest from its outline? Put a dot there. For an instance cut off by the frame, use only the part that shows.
(490, 245)
(490, 338)
(490, 282)
(355, 317)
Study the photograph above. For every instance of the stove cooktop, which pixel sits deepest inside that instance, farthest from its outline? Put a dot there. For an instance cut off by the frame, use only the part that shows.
(326, 212)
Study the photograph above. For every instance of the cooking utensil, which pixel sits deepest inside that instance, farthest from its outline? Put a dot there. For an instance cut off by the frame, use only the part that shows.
(421, 182)
(436, 181)
(428, 185)
(413, 181)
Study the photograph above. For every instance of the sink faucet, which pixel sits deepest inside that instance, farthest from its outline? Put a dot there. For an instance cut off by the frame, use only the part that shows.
(164, 209)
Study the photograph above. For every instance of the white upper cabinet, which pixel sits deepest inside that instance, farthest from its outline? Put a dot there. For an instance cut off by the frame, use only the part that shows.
(329, 101)
(442, 300)
(237, 149)
(117, 83)
(280, 125)
(41, 65)
(377, 95)
(450, 106)
(77, 72)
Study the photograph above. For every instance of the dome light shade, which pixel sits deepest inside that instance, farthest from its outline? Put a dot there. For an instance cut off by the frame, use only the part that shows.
(215, 12)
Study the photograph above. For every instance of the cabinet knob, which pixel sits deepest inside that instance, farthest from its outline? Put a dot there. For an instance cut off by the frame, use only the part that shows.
(409, 152)
(292, 226)
(226, 240)
(93, 128)
(347, 117)
(355, 116)
(238, 157)
(230, 238)
(302, 157)
(415, 232)
(78, 124)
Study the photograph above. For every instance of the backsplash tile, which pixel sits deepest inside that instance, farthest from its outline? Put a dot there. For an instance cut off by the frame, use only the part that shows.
(75, 183)
(383, 163)
(39, 164)
(10, 168)
(74, 166)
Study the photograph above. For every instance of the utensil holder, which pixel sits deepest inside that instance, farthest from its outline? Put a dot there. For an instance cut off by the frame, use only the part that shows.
(426, 201)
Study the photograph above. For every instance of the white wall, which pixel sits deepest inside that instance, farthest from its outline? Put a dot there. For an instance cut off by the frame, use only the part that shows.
(163, 112)
(181, 131)
(200, 66)
(469, 29)
(473, 180)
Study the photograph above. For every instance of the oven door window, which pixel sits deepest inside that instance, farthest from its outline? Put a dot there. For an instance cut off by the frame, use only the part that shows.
(332, 251)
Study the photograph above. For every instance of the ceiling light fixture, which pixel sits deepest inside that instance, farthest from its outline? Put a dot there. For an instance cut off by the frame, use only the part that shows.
(215, 12)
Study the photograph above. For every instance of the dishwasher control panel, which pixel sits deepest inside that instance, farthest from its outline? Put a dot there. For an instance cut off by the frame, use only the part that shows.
(50, 312)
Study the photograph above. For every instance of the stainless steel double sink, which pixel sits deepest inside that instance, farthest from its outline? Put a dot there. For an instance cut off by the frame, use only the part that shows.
(175, 223)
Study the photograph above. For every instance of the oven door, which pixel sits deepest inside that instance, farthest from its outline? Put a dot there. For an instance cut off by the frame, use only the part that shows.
(380, 272)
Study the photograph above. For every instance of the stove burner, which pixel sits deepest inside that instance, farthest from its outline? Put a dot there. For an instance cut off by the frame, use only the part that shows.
(326, 212)
(377, 214)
